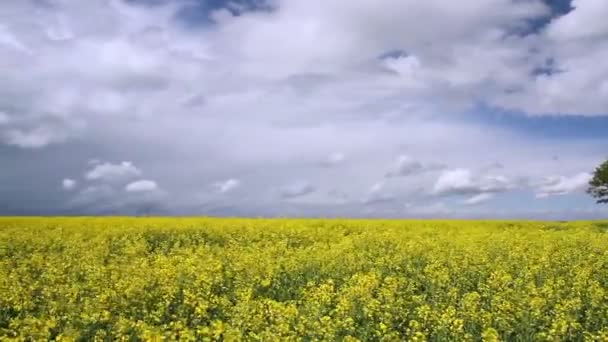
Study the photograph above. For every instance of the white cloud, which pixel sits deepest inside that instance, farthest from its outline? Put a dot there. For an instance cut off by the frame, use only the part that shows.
(296, 189)
(128, 61)
(114, 189)
(587, 19)
(32, 138)
(8, 39)
(367, 80)
(378, 194)
(561, 185)
(465, 182)
(333, 159)
(377, 187)
(573, 82)
(227, 185)
(4, 119)
(113, 172)
(478, 199)
(68, 184)
(132, 64)
(408, 68)
(143, 185)
(142, 198)
(406, 166)
(459, 180)
(95, 193)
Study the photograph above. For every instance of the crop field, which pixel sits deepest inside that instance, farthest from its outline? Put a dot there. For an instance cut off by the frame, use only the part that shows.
(203, 279)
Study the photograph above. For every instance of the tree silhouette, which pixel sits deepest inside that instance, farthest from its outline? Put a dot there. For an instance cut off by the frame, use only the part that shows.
(598, 185)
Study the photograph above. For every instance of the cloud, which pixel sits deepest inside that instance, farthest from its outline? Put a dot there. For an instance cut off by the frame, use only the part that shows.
(104, 199)
(338, 195)
(570, 82)
(227, 185)
(333, 159)
(195, 98)
(4, 119)
(32, 138)
(68, 184)
(433, 209)
(9, 40)
(296, 189)
(478, 199)
(406, 166)
(112, 172)
(111, 189)
(465, 182)
(143, 185)
(585, 20)
(139, 62)
(94, 195)
(493, 167)
(561, 185)
(378, 194)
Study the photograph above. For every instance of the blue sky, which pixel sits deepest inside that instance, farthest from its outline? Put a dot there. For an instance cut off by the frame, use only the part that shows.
(391, 108)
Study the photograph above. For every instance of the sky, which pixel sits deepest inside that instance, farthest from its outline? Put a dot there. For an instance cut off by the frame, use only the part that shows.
(333, 108)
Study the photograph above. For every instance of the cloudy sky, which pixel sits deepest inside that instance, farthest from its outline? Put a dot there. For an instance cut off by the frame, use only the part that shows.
(385, 108)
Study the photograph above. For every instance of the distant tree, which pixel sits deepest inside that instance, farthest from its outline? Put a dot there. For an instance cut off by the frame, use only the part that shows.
(598, 185)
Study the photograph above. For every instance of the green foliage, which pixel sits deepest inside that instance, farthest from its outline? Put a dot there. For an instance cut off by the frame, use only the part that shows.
(152, 279)
(598, 186)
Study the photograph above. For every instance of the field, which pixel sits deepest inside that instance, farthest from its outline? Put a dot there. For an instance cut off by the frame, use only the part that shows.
(268, 280)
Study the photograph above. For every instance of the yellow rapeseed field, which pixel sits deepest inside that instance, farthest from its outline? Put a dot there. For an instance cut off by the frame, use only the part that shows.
(202, 279)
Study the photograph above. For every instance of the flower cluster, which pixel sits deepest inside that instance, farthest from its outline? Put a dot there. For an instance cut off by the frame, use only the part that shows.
(203, 279)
